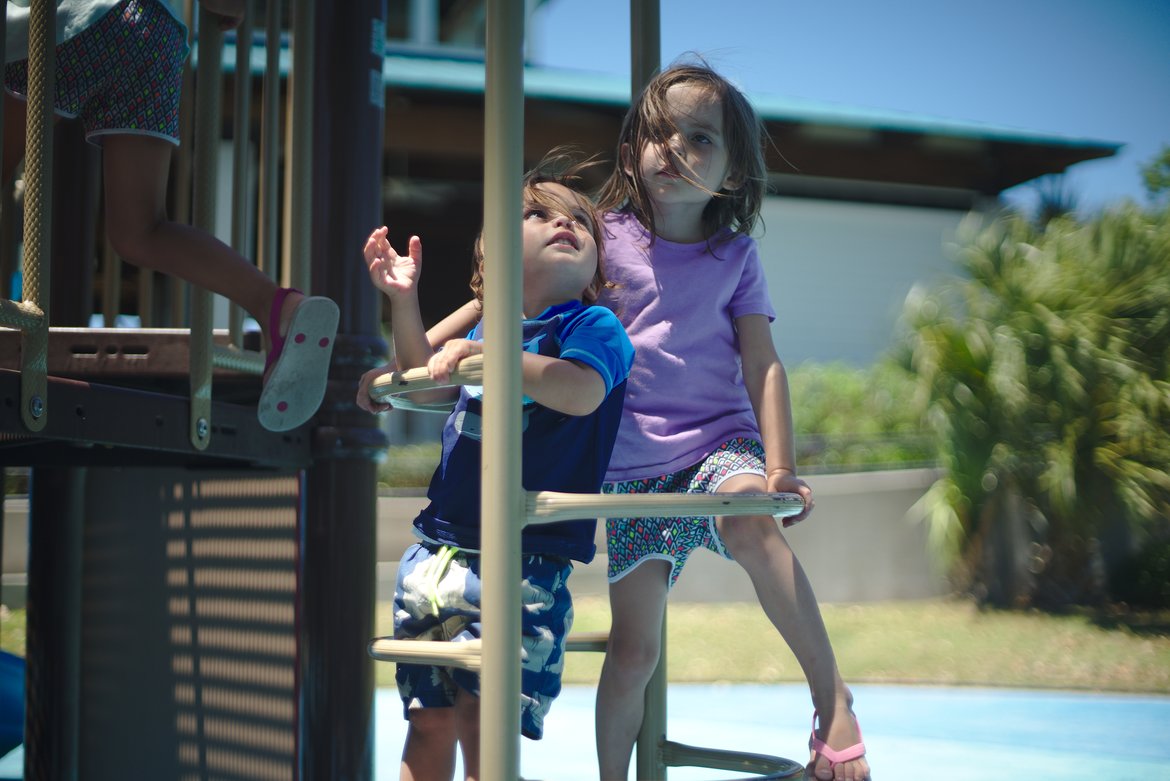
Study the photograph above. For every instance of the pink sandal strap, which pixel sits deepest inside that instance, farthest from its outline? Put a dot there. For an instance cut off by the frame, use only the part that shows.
(274, 325)
(835, 756)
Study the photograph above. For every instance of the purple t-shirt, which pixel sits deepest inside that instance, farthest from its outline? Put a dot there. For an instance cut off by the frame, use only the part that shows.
(685, 396)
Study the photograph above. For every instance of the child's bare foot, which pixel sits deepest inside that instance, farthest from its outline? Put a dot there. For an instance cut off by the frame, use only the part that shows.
(838, 753)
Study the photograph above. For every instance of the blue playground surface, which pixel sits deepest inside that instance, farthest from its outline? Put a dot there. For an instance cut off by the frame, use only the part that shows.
(912, 733)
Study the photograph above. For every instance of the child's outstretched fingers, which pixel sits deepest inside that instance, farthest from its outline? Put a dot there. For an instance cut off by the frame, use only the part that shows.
(390, 272)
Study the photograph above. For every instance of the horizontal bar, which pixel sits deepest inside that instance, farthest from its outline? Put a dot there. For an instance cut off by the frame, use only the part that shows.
(466, 655)
(681, 755)
(20, 314)
(388, 387)
(233, 359)
(549, 506)
(149, 353)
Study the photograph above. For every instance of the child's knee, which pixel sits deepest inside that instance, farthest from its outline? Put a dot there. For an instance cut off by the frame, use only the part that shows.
(433, 724)
(633, 657)
(749, 536)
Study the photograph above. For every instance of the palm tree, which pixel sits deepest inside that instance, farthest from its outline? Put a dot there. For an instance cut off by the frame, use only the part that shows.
(1045, 374)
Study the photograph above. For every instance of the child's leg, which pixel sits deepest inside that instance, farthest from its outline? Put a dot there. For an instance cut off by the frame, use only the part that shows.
(135, 172)
(467, 730)
(14, 136)
(637, 602)
(429, 753)
(788, 600)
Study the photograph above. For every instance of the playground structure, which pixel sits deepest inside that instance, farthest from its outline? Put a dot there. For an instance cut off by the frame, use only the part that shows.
(201, 591)
(501, 676)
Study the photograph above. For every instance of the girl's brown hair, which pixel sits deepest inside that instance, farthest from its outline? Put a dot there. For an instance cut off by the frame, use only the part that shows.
(564, 167)
(649, 121)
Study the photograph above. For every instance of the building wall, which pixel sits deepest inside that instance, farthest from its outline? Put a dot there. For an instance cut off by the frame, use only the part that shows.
(839, 272)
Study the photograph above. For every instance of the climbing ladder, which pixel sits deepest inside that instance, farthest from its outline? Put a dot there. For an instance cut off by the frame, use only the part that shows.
(654, 752)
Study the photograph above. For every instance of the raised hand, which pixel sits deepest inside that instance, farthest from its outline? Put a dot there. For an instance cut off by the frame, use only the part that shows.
(393, 274)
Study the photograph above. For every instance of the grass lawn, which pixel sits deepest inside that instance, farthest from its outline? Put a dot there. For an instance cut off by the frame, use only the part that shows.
(947, 642)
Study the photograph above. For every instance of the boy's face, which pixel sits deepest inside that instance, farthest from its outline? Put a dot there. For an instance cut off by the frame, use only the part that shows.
(560, 253)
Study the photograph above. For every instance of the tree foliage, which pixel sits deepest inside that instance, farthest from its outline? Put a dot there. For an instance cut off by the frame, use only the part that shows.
(1044, 373)
(1156, 175)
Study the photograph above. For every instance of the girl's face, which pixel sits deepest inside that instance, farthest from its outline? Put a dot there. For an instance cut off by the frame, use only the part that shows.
(693, 163)
(560, 252)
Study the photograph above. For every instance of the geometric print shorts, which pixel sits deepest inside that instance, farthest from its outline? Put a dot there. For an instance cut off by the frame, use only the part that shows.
(121, 75)
(631, 541)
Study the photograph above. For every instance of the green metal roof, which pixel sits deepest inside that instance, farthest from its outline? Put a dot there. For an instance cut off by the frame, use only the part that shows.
(434, 73)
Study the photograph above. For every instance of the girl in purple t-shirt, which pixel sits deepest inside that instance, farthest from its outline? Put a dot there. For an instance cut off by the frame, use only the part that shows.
(707, 406)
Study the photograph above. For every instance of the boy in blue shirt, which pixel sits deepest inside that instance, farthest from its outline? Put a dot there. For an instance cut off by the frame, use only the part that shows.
(576, 359)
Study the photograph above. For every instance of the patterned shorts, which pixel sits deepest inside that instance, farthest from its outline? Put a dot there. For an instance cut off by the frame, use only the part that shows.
(121, 75)
(438, 598)
(632, 541)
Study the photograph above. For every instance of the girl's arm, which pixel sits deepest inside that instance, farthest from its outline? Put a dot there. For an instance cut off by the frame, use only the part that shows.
(767, 387)
(566, 386)
(456, 325)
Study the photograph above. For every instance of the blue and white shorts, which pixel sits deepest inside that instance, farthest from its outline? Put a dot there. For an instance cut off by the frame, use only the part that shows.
(123, 74)
(438, 598)
(631, 541)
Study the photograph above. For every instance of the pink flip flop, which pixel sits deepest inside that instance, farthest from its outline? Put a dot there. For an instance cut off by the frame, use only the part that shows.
(297, 366)
(835, 757)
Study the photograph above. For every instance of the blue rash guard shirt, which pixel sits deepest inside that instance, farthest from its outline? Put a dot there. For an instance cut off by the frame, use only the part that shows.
(561, 452)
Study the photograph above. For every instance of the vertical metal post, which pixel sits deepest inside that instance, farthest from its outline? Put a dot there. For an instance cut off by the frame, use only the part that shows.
(338, 583)
(645, 60)
(652, 734)
(268, 212)
(38, 172)
(645, 43)
(209, 87)
(242, 122)
(502, 508)
(53, 677)
(298, 150)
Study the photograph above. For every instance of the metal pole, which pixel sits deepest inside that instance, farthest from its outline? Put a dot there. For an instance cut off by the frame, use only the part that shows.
(53, 642)
(241, 175)
(299, 149)
(208, 88)
(336, 676)
(645, 58)
(645, 43)
(269, 208)
(502, 503)
(38, 173)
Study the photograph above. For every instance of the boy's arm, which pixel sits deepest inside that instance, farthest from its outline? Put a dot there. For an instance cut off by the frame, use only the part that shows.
(767, 387)
(567, 386)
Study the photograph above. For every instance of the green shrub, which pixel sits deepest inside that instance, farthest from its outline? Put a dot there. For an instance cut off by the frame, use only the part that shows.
(1144, 580)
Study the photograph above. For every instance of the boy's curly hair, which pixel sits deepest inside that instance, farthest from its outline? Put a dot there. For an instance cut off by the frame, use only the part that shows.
(565, 167)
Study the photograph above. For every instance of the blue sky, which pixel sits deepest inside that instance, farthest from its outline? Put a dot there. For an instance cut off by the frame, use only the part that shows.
(1097, 69)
